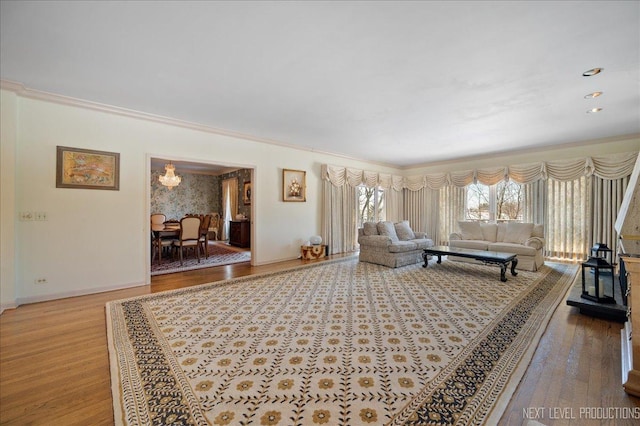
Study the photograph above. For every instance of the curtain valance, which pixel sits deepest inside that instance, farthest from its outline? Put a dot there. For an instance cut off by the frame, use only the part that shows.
(613, 166)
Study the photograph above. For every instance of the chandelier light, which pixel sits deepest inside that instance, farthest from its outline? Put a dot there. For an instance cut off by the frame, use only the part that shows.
(170, 179)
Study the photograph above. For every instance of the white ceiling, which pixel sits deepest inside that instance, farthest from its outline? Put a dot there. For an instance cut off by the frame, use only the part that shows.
(401, 83)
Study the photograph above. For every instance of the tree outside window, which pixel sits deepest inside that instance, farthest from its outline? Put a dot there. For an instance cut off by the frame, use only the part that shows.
(501, 202)
(370, 205)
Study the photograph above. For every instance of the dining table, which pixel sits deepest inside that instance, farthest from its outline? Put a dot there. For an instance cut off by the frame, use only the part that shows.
(163, 231)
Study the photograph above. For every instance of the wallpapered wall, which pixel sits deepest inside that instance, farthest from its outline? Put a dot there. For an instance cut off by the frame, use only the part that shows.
(196, 193)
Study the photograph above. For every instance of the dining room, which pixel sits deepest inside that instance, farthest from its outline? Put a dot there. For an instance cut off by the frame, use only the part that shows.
(219, 195)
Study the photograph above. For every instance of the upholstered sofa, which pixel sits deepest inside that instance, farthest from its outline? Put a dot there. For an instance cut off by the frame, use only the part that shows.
(524, 239)
(391, 244)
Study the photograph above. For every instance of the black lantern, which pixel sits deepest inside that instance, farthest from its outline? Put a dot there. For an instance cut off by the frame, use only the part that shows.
(600, 250)
(599, 278)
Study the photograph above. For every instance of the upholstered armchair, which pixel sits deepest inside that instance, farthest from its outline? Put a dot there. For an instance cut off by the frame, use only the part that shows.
(391, 244)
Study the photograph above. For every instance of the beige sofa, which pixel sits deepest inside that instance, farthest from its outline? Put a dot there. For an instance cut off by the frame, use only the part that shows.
(391, 244)
(524, 239)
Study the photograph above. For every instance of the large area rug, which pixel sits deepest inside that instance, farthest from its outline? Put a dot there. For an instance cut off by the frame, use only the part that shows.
(219, 254)
(334, 343)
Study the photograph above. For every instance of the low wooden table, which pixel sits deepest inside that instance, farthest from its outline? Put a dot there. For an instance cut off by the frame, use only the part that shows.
(491, 257)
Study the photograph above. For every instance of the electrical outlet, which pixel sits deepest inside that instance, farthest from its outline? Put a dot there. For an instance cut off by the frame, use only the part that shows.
(40, 281)
(41, 216)
(26, 216)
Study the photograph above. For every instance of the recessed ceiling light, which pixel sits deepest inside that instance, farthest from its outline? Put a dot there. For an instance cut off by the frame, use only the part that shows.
(592, 71)
(593, 95)
(594, 110)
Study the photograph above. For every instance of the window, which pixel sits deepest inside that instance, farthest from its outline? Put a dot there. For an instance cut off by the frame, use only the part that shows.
(370, 205)
(496, 203)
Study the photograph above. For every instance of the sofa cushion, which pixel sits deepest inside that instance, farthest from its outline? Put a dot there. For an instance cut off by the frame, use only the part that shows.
(489, 231)
(404, 231)
(388, 229)
(402, 246)
(370, 228)
(470, 230)
(502, 231)
(515, 248)
(381, 241)
(470, 244)
(518, 232)
(423, 243)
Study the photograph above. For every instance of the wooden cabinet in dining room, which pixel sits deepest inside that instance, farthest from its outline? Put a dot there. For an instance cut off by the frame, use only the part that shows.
(239, 233)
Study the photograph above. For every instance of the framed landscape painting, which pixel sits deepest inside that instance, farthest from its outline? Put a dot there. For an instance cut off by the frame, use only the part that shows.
(87, 169)
(294, 185)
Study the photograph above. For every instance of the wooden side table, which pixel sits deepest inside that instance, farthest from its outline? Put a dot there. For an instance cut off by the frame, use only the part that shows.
(314, 252)
(239, 233)
(631, 342)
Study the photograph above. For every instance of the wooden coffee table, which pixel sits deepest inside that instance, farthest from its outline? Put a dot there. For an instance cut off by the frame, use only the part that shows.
(489, 257)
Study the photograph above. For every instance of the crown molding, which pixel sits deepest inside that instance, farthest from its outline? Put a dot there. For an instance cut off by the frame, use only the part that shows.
(25, 92)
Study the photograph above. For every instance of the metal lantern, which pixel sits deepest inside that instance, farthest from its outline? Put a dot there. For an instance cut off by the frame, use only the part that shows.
(600, 250)
(600, 278)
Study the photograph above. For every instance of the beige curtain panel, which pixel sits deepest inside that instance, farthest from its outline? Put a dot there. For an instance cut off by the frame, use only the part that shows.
(605, 167)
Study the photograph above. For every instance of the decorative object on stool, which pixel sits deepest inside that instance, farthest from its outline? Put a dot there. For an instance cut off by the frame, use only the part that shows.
(315, 240)
(601, 273)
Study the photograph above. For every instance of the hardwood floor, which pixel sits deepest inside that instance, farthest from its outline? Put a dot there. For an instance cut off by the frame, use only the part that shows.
(54, 364)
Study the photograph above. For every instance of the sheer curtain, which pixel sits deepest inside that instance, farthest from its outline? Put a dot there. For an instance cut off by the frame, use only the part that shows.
(567, 225)
(451, 210)
(421, 209)
(535, 201)
(339, 217)
(229, 204)
(607, 195)
(394, 205)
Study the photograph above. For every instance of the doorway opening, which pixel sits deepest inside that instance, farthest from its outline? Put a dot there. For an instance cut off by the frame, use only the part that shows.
(201, 192)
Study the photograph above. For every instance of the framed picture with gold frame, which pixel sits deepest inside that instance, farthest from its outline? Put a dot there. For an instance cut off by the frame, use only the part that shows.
(246, 193)
(294, 185)
(87, 169)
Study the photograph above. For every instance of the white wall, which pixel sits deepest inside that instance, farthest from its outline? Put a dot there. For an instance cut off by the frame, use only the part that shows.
(7, 199)
(97, 240)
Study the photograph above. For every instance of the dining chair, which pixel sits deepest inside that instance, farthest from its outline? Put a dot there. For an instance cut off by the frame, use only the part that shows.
(158, 245)
(189, 236)
(204, 234)
(214, 226)
(158, 219)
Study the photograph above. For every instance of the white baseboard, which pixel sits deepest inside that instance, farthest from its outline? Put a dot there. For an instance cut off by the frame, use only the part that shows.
(5, 306)
(75, 293)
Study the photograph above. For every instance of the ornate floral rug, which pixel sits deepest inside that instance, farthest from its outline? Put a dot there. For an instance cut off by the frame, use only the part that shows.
(334, 343)
(219, 254)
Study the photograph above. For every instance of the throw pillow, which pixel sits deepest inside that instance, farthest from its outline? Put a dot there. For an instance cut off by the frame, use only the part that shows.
(518, 232)
(470, 230)
(370, 228)
(387, 229)
(404, 231)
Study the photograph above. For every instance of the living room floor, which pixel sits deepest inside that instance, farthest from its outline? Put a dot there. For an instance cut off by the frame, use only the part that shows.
(576, 365)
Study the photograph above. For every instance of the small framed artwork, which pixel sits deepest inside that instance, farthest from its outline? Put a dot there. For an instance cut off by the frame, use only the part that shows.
(246, 193)
(294, 185)
(87, 169)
